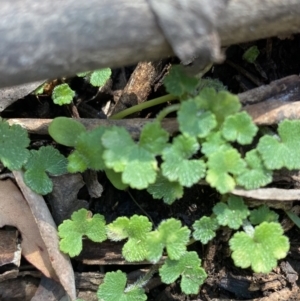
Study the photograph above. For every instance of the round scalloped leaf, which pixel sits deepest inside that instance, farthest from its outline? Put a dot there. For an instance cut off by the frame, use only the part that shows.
(178, 167)
(154, 138)
(118, 146)
(231, 214)
(88, 152)
(239, 127)
(282, 152)
(214, 142)
(62, 94)
(65, 130)
(81, 224)
(169, 234)
(99, 78)
(178, 83)
(221, 166)
(205, 229)
(165, 189)
(194, 121)
(190, 270)
(221, 104)
(118, 229)
(255, 175)
(45, 160)
(13, 145)
(263, 214)
(261, 251)
(113, 289)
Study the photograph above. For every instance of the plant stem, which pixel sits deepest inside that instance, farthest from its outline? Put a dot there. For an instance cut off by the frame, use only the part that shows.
(164, 112)
(144, 105)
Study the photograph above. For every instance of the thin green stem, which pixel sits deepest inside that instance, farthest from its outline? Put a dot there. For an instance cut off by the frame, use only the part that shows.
(164, 112)
(140, 206)
(143, 106)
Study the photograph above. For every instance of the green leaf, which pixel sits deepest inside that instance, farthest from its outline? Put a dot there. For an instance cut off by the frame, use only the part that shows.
(165, 189)
(154, 138)
(65, 130)
(45, 160)
(261, 251)
(221, 166)
(194, 121)
(62, 94)
(177, 166)
(233, 214)
(221, 104)
(83, 74)
(283, 151)
(116, 179)
(171, 235)
(81, 224)
(136, 229)
(88, 151)
(100, 77)
(178, 83)
(205, 229)
(113, 289)
(263, 214)
(214, 142)
(251, 54)
(137, 164)
(239, 127)
(13, 145)
(255, 175)
(190, 270)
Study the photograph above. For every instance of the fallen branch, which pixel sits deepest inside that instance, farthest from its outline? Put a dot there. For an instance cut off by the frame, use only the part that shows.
(61, 38)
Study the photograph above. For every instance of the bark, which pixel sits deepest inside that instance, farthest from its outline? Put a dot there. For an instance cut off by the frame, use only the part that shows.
(60, 38)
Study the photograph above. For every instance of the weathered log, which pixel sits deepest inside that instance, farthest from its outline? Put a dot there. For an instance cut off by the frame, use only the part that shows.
(60, 38)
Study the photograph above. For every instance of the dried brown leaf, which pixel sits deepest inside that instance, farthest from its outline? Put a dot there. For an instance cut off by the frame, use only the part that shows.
(60, 266)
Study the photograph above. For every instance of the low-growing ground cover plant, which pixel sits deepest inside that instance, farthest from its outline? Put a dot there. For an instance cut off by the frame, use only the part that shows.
(212, 145)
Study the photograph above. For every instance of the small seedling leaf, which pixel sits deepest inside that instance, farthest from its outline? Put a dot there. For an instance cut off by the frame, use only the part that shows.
(222, 165)
(205, 229)
(165, 189)
(88, 151)
(283, 151)
(121, 154)
(169, 234)
(154, 138)
(178, 167)
(263, 214)
(99, 78)
(178, 83)
(13, 145)
(81, 224)
(136, 229)
(251, 54)
(255, 175)
(113, 288)
(45, 160)
(239, 127)
(194, 121)
(221, 104)
(62, 94)
(231, 214)
(190, 270)
(261, 251)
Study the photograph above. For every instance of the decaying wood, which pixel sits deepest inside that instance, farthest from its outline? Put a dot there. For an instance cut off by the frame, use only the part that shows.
(275, 194)
(139, 85)
(134, 126)
(61, 38)
(286, 88)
